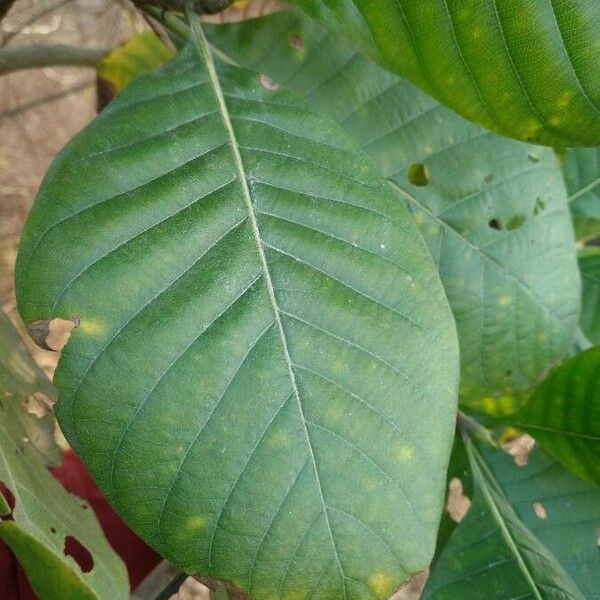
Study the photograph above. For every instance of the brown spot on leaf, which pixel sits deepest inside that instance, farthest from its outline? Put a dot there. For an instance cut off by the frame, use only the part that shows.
(219, 584)
(37, 404)
(52, 334)
(519, 448)
(79, 553)
(268, 83)
(296, 41)
(242, 11)
(413, 587)
(540, 510)
(458, 504)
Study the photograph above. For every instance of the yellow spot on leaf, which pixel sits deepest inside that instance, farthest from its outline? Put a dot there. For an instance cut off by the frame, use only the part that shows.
(405, 452)
(91, 326)
(505, 300)
(382, 584)
(566, 99)
(370, 484)
(196, 522)
(279, 439)
(532, 127)
(335, 412)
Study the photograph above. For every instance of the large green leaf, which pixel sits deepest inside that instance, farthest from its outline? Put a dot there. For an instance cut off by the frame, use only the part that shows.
(39, 520)
(528, 69)
(582, 175)
(589, 265)
(563, 414)
(264, 379)
(493, 555)
(494, 213)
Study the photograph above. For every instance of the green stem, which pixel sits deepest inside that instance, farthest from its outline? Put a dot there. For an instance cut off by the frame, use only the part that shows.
(581, 341)
(31, 57)
(472, 428)
(180, 28)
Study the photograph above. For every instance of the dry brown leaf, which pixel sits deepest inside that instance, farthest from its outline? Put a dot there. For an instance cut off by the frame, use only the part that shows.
(243, 10)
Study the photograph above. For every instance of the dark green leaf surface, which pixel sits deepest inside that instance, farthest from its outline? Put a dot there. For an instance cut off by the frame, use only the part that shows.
(529, 69)
(582, 175)
(494, 213)
(492, 555)
(44, 513)
(458, 468)
(563, 414)
(589, 265)
(561, 510)
(263, 337)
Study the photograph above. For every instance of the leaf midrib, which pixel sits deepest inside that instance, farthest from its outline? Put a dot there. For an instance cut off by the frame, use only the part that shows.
(477, 461)
(201, 44)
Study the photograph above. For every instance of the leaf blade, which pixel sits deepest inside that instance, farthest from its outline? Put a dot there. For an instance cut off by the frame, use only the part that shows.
(493, 213)
(171, 234)
(562, 415)
(504, 559)
(528, 97)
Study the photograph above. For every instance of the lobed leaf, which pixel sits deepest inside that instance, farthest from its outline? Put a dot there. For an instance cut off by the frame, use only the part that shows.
(263, 336)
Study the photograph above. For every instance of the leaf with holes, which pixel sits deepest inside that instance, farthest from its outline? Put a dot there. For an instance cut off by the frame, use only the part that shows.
(563, 414)
(493, 211)
(582, 175)
(27, 393)
(528, 69)
(54, 536)
(492, 553)
(263, 336)
(559, 509)
(589, 265)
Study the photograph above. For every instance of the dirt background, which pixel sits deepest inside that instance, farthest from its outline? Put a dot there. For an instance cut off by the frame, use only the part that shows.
(40, 111)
